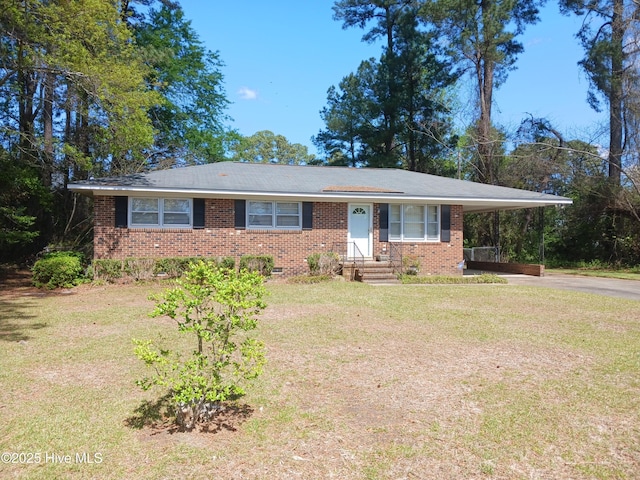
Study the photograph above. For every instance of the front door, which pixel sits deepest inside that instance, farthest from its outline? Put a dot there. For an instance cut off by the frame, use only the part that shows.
(360, 230)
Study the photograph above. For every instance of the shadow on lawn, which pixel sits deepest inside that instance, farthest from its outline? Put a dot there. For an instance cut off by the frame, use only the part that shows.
(157, 416)
(15, 322)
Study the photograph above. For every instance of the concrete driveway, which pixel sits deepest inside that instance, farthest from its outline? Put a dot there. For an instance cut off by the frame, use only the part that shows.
(610, 287)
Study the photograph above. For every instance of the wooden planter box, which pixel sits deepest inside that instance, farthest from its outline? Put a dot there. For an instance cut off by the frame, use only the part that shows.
(522, 268)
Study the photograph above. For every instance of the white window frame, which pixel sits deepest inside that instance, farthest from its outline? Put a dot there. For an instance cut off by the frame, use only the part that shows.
(426, 222)
(161, 212)
(274, 216)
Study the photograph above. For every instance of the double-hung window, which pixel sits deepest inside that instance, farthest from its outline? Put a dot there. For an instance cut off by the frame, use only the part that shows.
(278, 215)
(161, 212)
(414, 222)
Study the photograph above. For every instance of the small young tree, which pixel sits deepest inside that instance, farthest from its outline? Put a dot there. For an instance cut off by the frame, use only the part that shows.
(219, 308)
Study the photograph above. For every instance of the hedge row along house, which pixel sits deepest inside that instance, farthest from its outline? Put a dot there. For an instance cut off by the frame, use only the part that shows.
(289, 212)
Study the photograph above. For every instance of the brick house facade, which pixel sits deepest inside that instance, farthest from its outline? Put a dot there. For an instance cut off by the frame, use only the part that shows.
(220, 237)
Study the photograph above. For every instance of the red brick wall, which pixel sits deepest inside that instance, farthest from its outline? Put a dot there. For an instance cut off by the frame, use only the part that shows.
(289, 249)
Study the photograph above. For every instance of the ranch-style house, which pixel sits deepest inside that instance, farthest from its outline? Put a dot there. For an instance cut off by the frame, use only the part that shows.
(230, 209)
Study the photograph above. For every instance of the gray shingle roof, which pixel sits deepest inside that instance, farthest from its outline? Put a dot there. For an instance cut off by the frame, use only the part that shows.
(244, 180)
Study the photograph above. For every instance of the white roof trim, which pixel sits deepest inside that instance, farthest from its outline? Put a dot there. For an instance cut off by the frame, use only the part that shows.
(476, 204)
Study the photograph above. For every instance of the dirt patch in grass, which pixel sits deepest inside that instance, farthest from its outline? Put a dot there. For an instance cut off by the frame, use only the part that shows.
(155, 421)
(88, 375)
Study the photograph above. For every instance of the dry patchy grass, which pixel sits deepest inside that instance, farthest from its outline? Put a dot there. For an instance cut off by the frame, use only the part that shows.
(415, 382)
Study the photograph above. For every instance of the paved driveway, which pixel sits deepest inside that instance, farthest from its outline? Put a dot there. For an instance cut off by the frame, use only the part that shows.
(611, 287)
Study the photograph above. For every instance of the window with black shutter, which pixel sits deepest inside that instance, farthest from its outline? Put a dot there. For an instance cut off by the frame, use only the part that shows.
(307, 215)
(384, 222)
(240, 212)
(445, 223)
(198, 213)
(122, 213)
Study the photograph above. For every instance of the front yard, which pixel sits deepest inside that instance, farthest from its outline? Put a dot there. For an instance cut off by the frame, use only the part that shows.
(414, 382)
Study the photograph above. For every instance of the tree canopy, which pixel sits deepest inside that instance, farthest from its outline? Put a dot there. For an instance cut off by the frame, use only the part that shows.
(74, 101)
(267, 147)
(94, 88)
(190, 119)
(391, 112)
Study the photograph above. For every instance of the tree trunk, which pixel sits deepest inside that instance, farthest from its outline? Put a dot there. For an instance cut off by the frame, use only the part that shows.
(485, 68)
(616, 125)
(412, 161)
(47, 122)
(26, 114)
(392, 103)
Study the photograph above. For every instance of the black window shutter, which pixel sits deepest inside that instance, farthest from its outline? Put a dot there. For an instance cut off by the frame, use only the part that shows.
(445, 223)
(240, 208)
(384, 222)
(198, 213)
(122, 214)
(307, 215)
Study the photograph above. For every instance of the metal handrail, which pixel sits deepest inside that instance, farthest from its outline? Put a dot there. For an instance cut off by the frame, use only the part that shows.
(358, 257)
(395, 258)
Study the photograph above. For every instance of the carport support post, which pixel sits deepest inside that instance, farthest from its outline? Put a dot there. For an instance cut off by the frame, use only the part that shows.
(541, 235)
(496, 233)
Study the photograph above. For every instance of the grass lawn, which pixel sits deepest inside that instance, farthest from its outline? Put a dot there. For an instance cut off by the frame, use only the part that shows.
(362, 382)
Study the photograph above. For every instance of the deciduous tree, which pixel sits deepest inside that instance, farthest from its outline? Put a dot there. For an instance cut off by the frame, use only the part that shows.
(218, 309)
(266, 147)
(73, 98)
(190, 121)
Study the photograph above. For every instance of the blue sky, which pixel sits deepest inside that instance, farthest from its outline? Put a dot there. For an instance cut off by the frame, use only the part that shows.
(281, 56)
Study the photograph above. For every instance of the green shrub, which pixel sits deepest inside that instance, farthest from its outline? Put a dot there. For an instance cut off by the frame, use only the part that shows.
(175, 267)
(452, 280)
(139, 268)
(263, 264)
(411, 264)
(309, 279)
(58, 269)
(134, 268)
(107, 269)
(218, 309)
(326, 263)
(313, 261)
(228, 263)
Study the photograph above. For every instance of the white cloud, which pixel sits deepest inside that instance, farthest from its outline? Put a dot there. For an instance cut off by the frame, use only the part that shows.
(247, 94)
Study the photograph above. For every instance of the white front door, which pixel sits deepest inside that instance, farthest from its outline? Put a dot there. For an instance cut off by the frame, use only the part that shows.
(360, 230)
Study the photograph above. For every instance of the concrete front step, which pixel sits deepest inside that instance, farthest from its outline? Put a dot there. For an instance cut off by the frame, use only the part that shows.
(378, 273)
(391, 281)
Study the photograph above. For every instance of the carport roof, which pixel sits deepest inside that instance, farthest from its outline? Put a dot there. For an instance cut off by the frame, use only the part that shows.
(317, 183)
